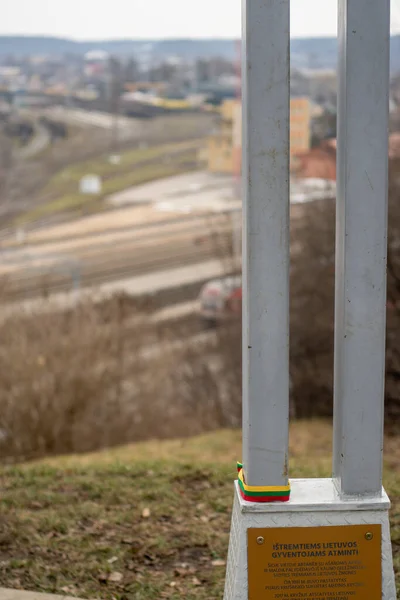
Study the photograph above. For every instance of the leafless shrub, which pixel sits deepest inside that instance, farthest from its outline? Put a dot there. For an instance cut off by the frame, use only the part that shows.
(96, 376)
(393, 296)
(59, 383)
(312, 308)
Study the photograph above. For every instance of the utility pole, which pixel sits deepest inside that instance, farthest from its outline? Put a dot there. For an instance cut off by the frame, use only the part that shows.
(114, 81)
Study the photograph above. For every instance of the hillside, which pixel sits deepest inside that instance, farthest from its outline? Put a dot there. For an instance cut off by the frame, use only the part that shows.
(306, 52)
(146, 521)
(23, 45)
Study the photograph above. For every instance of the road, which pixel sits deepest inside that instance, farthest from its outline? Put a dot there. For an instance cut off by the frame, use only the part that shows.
(39, 142)
(126, 128)
(162, 128)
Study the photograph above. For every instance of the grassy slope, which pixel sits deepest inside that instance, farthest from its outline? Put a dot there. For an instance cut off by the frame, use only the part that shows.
(67, 524)
(62, 191)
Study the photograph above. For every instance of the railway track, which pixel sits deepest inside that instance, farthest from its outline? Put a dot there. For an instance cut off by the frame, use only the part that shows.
(83, 247)
(32, 270)
(59, 266)
(27, 286)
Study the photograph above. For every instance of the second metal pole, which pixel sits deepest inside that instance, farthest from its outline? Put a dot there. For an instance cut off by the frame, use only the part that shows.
(363, 105)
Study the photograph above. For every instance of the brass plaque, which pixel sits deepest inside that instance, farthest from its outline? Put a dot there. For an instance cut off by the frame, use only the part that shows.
(300, 563)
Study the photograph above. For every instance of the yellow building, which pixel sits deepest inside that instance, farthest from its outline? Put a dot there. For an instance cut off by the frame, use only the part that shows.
(225, 145)
(300, 121)
(221, 144)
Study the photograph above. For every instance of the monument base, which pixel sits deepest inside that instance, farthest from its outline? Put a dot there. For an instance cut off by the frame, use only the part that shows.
(318, 545)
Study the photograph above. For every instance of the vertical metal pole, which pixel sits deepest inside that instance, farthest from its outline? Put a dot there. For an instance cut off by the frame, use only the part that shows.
(265, 75)
(361, 237)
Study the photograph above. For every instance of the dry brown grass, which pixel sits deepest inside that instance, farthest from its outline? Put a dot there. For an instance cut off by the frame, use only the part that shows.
(99, 376)
(60, 383)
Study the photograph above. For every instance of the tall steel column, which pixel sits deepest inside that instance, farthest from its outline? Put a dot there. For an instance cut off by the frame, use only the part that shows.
(265, 76)
(361, 239)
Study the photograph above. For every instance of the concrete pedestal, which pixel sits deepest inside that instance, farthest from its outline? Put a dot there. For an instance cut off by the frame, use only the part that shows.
(314, 503)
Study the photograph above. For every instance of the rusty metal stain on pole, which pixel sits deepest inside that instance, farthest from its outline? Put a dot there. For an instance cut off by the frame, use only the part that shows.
(265, 75)
(361, 238)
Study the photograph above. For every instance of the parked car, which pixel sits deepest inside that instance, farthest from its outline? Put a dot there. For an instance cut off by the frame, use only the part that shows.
(221, 300)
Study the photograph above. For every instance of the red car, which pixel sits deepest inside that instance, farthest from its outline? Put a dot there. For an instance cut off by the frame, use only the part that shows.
(221, 300)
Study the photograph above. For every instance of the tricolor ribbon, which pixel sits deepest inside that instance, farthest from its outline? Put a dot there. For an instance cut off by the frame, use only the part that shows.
(261, 493)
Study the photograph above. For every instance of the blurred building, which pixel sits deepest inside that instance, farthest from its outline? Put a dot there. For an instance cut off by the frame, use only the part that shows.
(300, 125)
(318, 163)
(96, 63)
(225, 145)
(10, 76)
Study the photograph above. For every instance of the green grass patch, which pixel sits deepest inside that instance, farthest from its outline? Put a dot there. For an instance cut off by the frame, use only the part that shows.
(76, 202)
(135, 167)
(102, 167)
(146, 521)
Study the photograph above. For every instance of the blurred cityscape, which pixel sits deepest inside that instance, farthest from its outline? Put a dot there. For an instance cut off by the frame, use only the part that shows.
(120, 166)
(49, 89)
(63, 103)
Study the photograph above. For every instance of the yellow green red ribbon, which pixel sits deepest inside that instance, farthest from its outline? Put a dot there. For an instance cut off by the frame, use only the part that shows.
(256, 493)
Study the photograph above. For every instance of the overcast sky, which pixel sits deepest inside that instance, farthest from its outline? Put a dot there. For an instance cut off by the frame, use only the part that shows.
(96, 19)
